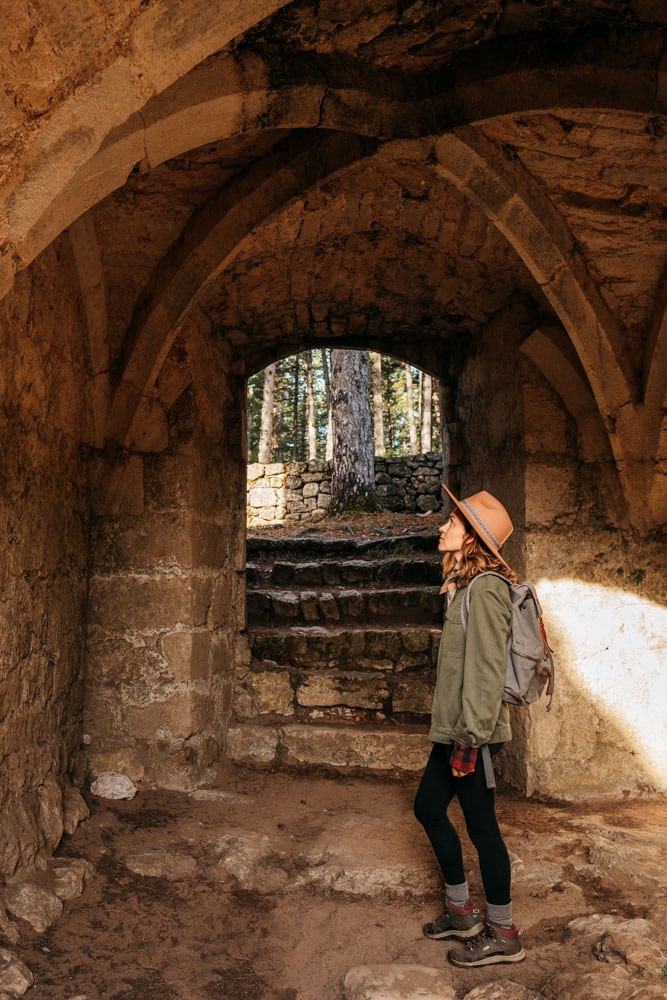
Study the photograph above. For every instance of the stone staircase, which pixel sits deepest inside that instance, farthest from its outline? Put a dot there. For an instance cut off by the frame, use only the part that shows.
(343, 637)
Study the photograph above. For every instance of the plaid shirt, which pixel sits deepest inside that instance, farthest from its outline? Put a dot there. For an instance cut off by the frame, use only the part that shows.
(463, 758)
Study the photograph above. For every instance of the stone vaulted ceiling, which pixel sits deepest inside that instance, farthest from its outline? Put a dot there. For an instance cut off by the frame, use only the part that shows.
(392, 174)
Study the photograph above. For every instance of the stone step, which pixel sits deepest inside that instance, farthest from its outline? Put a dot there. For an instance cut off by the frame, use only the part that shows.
(342, 572)
(412, 605)
(269, 689)
(398, 649)
(261, 548)
(379, 748)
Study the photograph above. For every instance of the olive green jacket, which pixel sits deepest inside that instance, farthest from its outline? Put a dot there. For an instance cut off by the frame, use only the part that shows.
(467, 702)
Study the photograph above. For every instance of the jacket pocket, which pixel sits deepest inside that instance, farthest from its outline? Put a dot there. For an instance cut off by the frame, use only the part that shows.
(453, 613)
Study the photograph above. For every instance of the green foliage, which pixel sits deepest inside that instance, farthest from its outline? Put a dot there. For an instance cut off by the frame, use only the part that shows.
(290, 440)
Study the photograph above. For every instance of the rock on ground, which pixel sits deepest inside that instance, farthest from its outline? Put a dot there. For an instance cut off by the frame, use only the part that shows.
(397, 982)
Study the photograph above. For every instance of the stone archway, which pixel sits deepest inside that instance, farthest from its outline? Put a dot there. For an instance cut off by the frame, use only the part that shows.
(551, 215)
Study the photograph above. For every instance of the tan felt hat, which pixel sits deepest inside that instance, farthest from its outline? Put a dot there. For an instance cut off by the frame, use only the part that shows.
(488, 518)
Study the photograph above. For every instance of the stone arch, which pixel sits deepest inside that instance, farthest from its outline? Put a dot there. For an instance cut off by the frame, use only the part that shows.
(87, 257)
(208, 247)
(533, 226)
(163, 44)
(67, 180)
(547, 348)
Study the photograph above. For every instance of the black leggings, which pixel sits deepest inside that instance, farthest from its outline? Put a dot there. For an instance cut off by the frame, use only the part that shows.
(436, 790)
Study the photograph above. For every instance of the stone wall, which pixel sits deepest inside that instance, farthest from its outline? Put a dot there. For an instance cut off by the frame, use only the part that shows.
(301, 491)
(167, 594)
(603, 589)
(43, 572)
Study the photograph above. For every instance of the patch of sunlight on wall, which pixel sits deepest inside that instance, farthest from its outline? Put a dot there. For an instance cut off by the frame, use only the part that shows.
(611, 646)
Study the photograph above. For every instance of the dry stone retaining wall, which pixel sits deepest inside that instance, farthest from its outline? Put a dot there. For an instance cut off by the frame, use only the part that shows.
(301, 491)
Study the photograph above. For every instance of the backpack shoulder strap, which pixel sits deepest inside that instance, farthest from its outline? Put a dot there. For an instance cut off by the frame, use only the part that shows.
(465, 603)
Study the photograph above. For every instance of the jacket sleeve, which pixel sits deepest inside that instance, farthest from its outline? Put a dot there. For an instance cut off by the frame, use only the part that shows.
(489, 623)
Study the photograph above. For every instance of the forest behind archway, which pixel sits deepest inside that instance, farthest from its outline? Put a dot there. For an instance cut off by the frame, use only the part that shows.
(289, 408)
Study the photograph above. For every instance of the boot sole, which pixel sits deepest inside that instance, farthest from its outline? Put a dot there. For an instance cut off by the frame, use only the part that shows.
(462, 935)
(488, 960)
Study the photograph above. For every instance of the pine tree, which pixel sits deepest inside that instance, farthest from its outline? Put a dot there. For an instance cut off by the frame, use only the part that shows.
(353, 472)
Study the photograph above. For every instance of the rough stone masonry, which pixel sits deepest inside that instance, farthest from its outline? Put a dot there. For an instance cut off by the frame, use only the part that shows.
(188, 194)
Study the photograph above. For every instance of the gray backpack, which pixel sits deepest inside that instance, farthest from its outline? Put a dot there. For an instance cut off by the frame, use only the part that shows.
(529, 663)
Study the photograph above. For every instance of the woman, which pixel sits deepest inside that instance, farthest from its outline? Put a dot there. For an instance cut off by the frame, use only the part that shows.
(469, 714)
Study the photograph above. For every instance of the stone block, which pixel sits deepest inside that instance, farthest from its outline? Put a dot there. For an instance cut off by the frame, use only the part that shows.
(286, 605)
(355, 691)
(252, 744)
(329, 608)
(415, 698)
(310, 608)
(254, 471)
(148, 602)
(310, 490)
(416, 640)
(37, 906)
(271, 692)
(398, 982)
(188, 654)
(182, 716)
(351, 603)
(357, 747)
(412, 661)
(262, 496)
(383, 643)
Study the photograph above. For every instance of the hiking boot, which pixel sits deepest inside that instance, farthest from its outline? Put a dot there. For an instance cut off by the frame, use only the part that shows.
(494, 946)
(456, 922)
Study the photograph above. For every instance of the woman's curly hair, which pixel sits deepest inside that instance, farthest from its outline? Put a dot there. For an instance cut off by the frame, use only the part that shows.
(477, 558)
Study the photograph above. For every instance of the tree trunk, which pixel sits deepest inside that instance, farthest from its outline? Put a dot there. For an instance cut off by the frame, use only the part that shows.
(378, 422)
(296, 399)
(328, 449)
(353, 472)
(426, 408)
(265, 447)
(310, 404)
(444, 405)
(410, 403)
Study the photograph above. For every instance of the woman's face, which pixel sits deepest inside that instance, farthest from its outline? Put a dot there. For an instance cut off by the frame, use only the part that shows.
(452, 535)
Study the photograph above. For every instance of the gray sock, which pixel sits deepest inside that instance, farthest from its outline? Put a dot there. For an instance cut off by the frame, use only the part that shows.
(457, 894)
(501, 915)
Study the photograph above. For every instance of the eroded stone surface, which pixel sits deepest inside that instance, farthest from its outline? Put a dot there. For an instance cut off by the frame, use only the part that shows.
(162, 864)
(398, 982)
(70, 876)
(32, 903)
(15, 976)
(110, 785)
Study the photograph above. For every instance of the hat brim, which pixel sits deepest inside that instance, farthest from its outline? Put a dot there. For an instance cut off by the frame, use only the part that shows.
(480, 534)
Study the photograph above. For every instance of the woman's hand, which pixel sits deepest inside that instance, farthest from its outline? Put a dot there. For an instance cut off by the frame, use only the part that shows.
(463, 760)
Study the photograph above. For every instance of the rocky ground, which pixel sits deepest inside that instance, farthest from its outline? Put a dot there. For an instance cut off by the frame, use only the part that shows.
(289, 886)
(310, 885)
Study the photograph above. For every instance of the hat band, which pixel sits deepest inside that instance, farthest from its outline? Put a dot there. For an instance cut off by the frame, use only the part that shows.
(474, 516)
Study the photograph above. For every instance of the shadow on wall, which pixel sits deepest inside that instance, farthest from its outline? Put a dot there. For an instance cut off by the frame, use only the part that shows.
(610, 710)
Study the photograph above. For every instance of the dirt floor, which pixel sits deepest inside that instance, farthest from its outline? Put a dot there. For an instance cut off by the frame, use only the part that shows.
(274, 884)
(285, 881)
